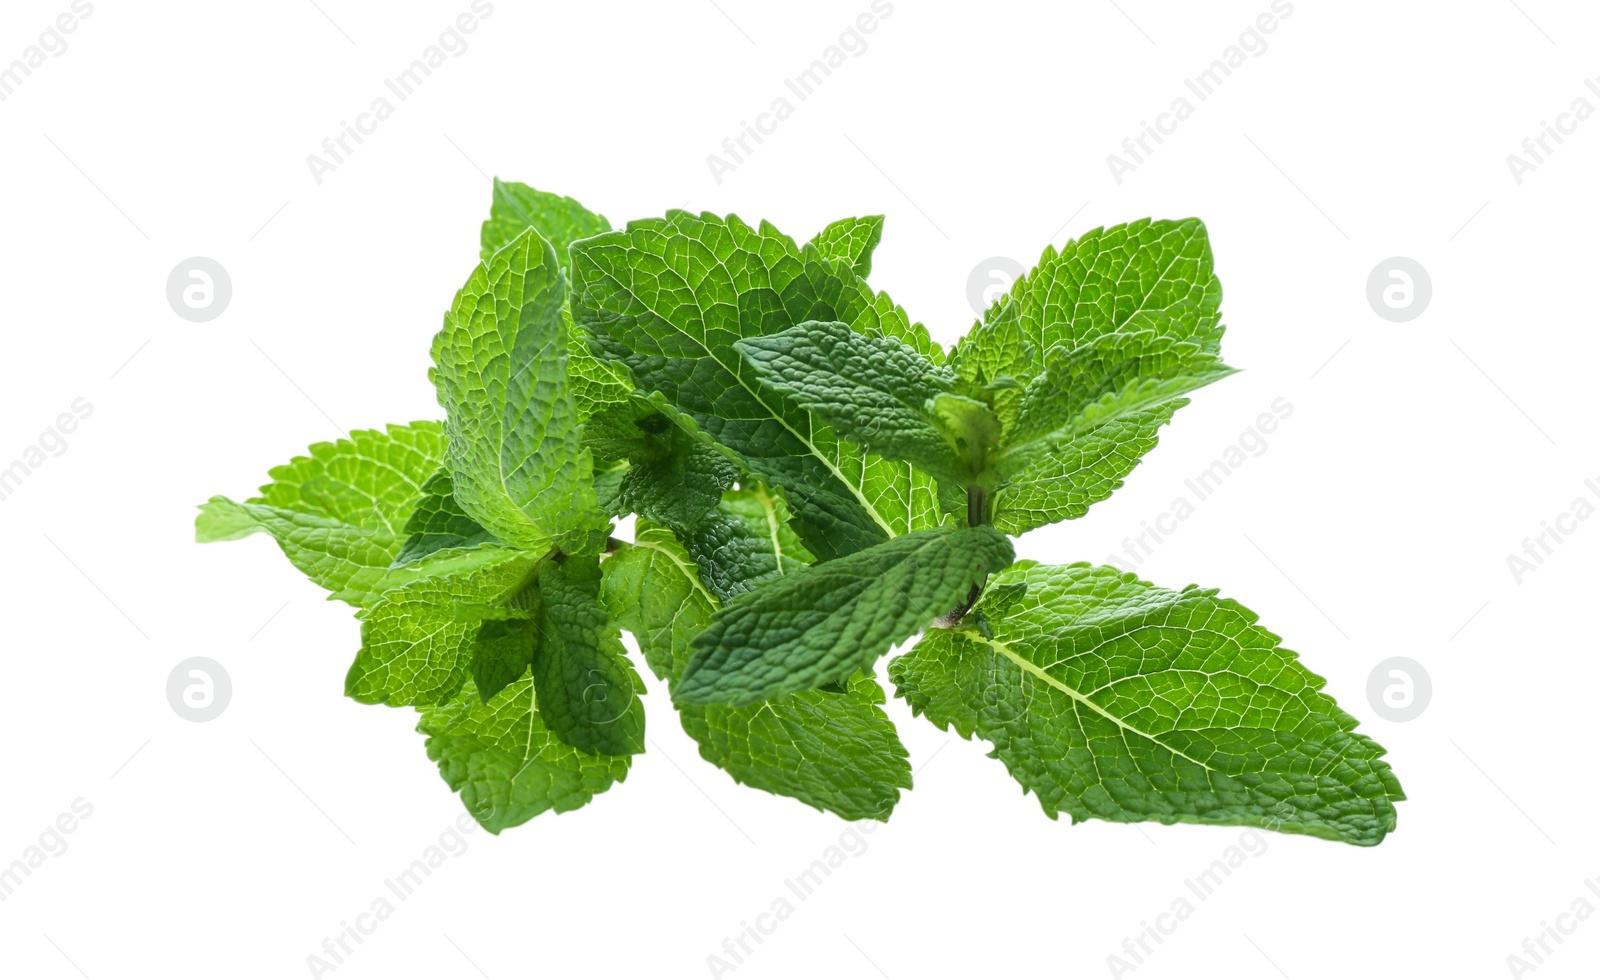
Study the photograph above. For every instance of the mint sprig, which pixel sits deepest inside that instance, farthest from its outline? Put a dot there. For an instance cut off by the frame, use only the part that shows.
(814, 482)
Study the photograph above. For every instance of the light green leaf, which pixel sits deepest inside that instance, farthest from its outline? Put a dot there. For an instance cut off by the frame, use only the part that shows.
(518, 207)
(851, 241)
(668, 298)
(506, 765)
(438, 523)
(1109, 378)
(340, 512)
(1147, 278)
(1148, 274)
(514, 447)
(559, 221)
(417, 639)
(836, 752)
(825, 622)
(1113, 698)
(744, 542)
(875, 391)
(651, 589)
(1081, 424)
(588, 691)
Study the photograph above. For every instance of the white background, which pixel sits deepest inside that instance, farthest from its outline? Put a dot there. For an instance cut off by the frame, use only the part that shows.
(1376, 523)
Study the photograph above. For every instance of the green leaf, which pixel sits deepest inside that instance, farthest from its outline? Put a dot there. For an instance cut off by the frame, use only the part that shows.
(1082, 424)
(1109, 378)
(518, 207)
(559, 221)
(608, 488)
(652, 589)
(513, 433)
(875, 391)
(502, 651)
(1113, 698)
(417, 640)
(851, 241)
(1150, 278)
(340, 512)
(506, 765)
(675, 475)
(744, 542)
(1144, 275)
(438, 523)
(596, 384)
(588, 692)
(835, 752)
(825, 622)
(668, 297)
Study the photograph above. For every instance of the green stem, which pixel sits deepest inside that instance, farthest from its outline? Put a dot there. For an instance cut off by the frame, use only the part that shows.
(977, 515)
(977, 506)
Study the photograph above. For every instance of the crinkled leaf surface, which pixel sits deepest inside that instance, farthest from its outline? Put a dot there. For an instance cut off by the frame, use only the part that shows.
(518, 207)
(560, 221)
(668, 297)
(1113, 698)
(506, 765)
(588, 691)
(500, 366)
(851, 241)
(827, 621)
(744, 542)
(1082, 424)
(417, 640)
(1146, 277)
(502, 651)
(874, 391)
(438, 522)
(339, 513)
(836, 752)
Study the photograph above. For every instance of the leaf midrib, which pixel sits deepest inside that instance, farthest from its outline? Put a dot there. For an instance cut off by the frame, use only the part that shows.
(815, 451)
(1028, 666)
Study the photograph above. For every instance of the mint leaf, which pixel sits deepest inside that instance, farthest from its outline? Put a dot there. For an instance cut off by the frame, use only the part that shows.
(506, 765)
(502, 651)
(825, 622)
(875, 391)
(438, 522)
(680, 487)
(417, 639)
(559, 221)
(1143, 275)
(851, 241)
(513, 434)
(835, 752)
(651, 589)
(669, 471)
(340, 512)
(744, 542)
(588, 692)
(1078, 423)
(668, 298)
(1147, 278)
(1113, 698)
(518, 207)
(596, 384)
(675, 475)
